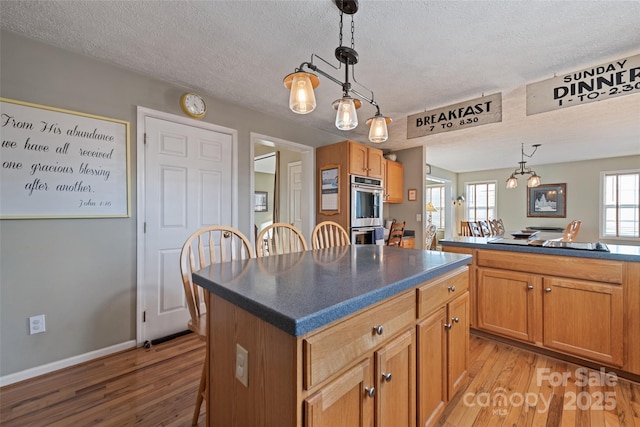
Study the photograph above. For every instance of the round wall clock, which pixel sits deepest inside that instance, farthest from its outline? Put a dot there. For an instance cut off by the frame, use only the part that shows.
(193, 105)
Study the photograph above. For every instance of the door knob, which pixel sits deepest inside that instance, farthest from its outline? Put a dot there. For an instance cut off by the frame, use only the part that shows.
(378, 329)
(370, 391)
(386, 376)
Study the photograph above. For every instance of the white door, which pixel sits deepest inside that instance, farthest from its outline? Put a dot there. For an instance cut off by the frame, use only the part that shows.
(295, 194)
(187, 185)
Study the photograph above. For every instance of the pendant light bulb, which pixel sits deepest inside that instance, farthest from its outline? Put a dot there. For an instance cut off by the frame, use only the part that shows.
(512, 182)
(302, 99)
(378, 129)
(533, 181)
(346, 116)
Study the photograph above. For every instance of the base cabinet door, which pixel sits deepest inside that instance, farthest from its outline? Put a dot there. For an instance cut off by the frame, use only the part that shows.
(396, 382)
(443, 346)
(347, 401)
(432, 369)
(457, 344)
(508, 303)
(585, 319)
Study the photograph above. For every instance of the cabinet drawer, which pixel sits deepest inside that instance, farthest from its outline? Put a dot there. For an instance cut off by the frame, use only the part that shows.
(433, 295)
(332, 349)
(599, 270)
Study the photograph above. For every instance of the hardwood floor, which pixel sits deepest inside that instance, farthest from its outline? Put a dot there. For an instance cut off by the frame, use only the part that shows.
(154, 387)
(508, 386)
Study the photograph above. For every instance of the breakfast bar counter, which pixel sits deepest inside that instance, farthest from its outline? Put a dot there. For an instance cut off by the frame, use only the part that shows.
(581, 301)
(317, 337)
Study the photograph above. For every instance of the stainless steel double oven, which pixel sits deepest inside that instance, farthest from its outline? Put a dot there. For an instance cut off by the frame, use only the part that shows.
(366, 210)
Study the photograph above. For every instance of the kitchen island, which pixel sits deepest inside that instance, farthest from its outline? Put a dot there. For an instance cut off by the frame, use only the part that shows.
(331, 335)
(580, 305)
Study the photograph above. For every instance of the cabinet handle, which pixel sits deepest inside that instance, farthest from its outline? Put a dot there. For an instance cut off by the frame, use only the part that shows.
(448, 325)
(530, 287)
(455, 319)
(547, 290)
(378, 329)
(370, 391)
(452, 288)
(387, 376)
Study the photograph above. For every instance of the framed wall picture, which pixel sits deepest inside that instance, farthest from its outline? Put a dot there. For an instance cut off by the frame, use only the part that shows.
(330, 190)
(260, 201)
(547, 201)
(412, 195)
(62, 164)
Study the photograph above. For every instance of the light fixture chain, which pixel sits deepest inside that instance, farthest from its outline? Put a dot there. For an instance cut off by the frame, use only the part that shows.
(353, 30)
(340, 44)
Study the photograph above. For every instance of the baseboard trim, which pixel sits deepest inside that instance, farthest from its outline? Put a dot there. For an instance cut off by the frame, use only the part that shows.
(64, 363)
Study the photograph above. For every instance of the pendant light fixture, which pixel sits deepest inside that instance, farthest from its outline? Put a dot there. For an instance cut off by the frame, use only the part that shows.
(534, 179)
(301, 83)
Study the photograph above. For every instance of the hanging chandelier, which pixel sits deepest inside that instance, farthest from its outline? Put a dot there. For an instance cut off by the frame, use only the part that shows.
(534, 179)
(302, 99)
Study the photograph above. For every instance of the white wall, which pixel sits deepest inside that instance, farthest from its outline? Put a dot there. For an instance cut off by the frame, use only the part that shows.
(582, 198)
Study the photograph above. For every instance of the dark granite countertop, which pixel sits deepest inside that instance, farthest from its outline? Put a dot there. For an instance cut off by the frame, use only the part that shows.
(616, 252)
(303, 291)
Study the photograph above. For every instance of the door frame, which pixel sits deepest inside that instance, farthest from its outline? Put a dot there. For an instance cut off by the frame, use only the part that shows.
(307, 154)
(142, 113)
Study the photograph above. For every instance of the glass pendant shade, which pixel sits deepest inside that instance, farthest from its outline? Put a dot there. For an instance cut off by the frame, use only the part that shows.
(533, 181)
(378, 129)
(346, 116)
(302, 99)
(512, 182)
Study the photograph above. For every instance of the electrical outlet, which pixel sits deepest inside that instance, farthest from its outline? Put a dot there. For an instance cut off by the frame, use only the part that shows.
(242, 365)
(36, 324)
(418, 217)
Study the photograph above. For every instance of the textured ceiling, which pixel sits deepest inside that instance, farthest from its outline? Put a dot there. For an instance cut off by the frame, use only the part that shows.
(414, 55)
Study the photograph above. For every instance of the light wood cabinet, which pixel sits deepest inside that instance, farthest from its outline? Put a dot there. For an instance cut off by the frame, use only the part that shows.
(584, 318)
(578, 317)
(350, 158)
(357, 399)
(408, 242)
(508, 303)
(365, 161)
(345, 401)
(393, 182)
(379, 367)
(581, 307)
(443, 344)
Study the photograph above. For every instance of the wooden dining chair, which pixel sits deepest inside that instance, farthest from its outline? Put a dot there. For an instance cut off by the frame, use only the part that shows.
(464, 228)
(206, 246)
(328, 234)
(485, 228)
(396, 232)
(497, 227)
(280, 238)
(474, 229)
(571, 232)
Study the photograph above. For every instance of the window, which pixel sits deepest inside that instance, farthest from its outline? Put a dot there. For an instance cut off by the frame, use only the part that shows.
(621, 204)
(435, 195)
(481, 201)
